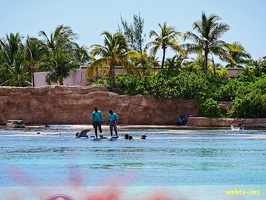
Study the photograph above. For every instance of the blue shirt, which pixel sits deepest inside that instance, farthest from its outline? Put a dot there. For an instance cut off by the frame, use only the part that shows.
(97, 116)
(112, 117)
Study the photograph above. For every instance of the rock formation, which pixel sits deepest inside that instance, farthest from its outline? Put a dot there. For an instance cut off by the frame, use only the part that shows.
(74, 105)
(227, 122)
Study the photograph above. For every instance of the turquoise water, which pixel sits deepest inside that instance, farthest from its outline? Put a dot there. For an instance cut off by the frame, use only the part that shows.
(167, 158)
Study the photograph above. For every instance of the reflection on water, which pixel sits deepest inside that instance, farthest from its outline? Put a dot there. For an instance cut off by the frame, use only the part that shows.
(165, 158)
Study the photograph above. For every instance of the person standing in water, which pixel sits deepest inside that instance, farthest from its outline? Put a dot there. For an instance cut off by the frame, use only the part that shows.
(97, 119)
(112, 117)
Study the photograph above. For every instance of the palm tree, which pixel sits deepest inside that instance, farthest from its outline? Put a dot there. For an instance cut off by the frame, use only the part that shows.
(19, 74)
(166, 38)
(113, 52)
(35, 51)
(175, 62)
(62, 38)
(81, 54)
(62, 55)
(239, 54)
(208, 40)
(62, 64)
(194, 64)
(13, 61)
(9, 46)
(257, 66)
(145, 63)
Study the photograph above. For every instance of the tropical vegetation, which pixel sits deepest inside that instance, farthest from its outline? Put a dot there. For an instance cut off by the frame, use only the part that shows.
(191, 73)
(208, 41)
(114, 51)
(166, 38)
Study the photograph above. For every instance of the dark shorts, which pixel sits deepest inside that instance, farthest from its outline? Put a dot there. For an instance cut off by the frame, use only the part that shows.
(112, 124)
(97, 123)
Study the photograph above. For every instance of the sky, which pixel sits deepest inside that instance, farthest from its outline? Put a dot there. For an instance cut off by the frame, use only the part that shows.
(87, 18)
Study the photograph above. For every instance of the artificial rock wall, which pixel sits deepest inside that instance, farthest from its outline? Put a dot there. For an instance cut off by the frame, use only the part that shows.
(74, 105)
(227, 122)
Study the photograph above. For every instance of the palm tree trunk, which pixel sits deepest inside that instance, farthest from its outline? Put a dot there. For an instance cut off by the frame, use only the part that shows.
(213, 65)
(61, 81)
(112, 76)
(32, 77)
(205, 61)
(143, 67)
(163, 58)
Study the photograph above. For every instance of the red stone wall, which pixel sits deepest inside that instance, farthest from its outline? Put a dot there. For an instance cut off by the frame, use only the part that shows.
(74, 105)
(226, 122)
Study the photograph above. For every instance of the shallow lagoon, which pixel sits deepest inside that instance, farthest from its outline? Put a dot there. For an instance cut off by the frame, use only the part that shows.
(167, 158)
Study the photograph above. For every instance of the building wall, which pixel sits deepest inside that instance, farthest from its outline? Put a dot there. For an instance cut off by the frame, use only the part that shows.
(234, 72)
(78, 77)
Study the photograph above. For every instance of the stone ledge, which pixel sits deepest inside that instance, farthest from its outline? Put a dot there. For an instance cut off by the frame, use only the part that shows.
(226, 122)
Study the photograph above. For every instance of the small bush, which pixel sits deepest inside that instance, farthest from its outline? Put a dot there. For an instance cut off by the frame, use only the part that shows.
(210, 108)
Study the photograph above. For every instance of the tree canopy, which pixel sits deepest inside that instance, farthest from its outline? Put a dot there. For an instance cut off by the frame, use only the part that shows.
(208, 38)
(114, 51)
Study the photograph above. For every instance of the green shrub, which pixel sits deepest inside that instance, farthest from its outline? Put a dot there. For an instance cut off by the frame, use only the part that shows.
(210, 108)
